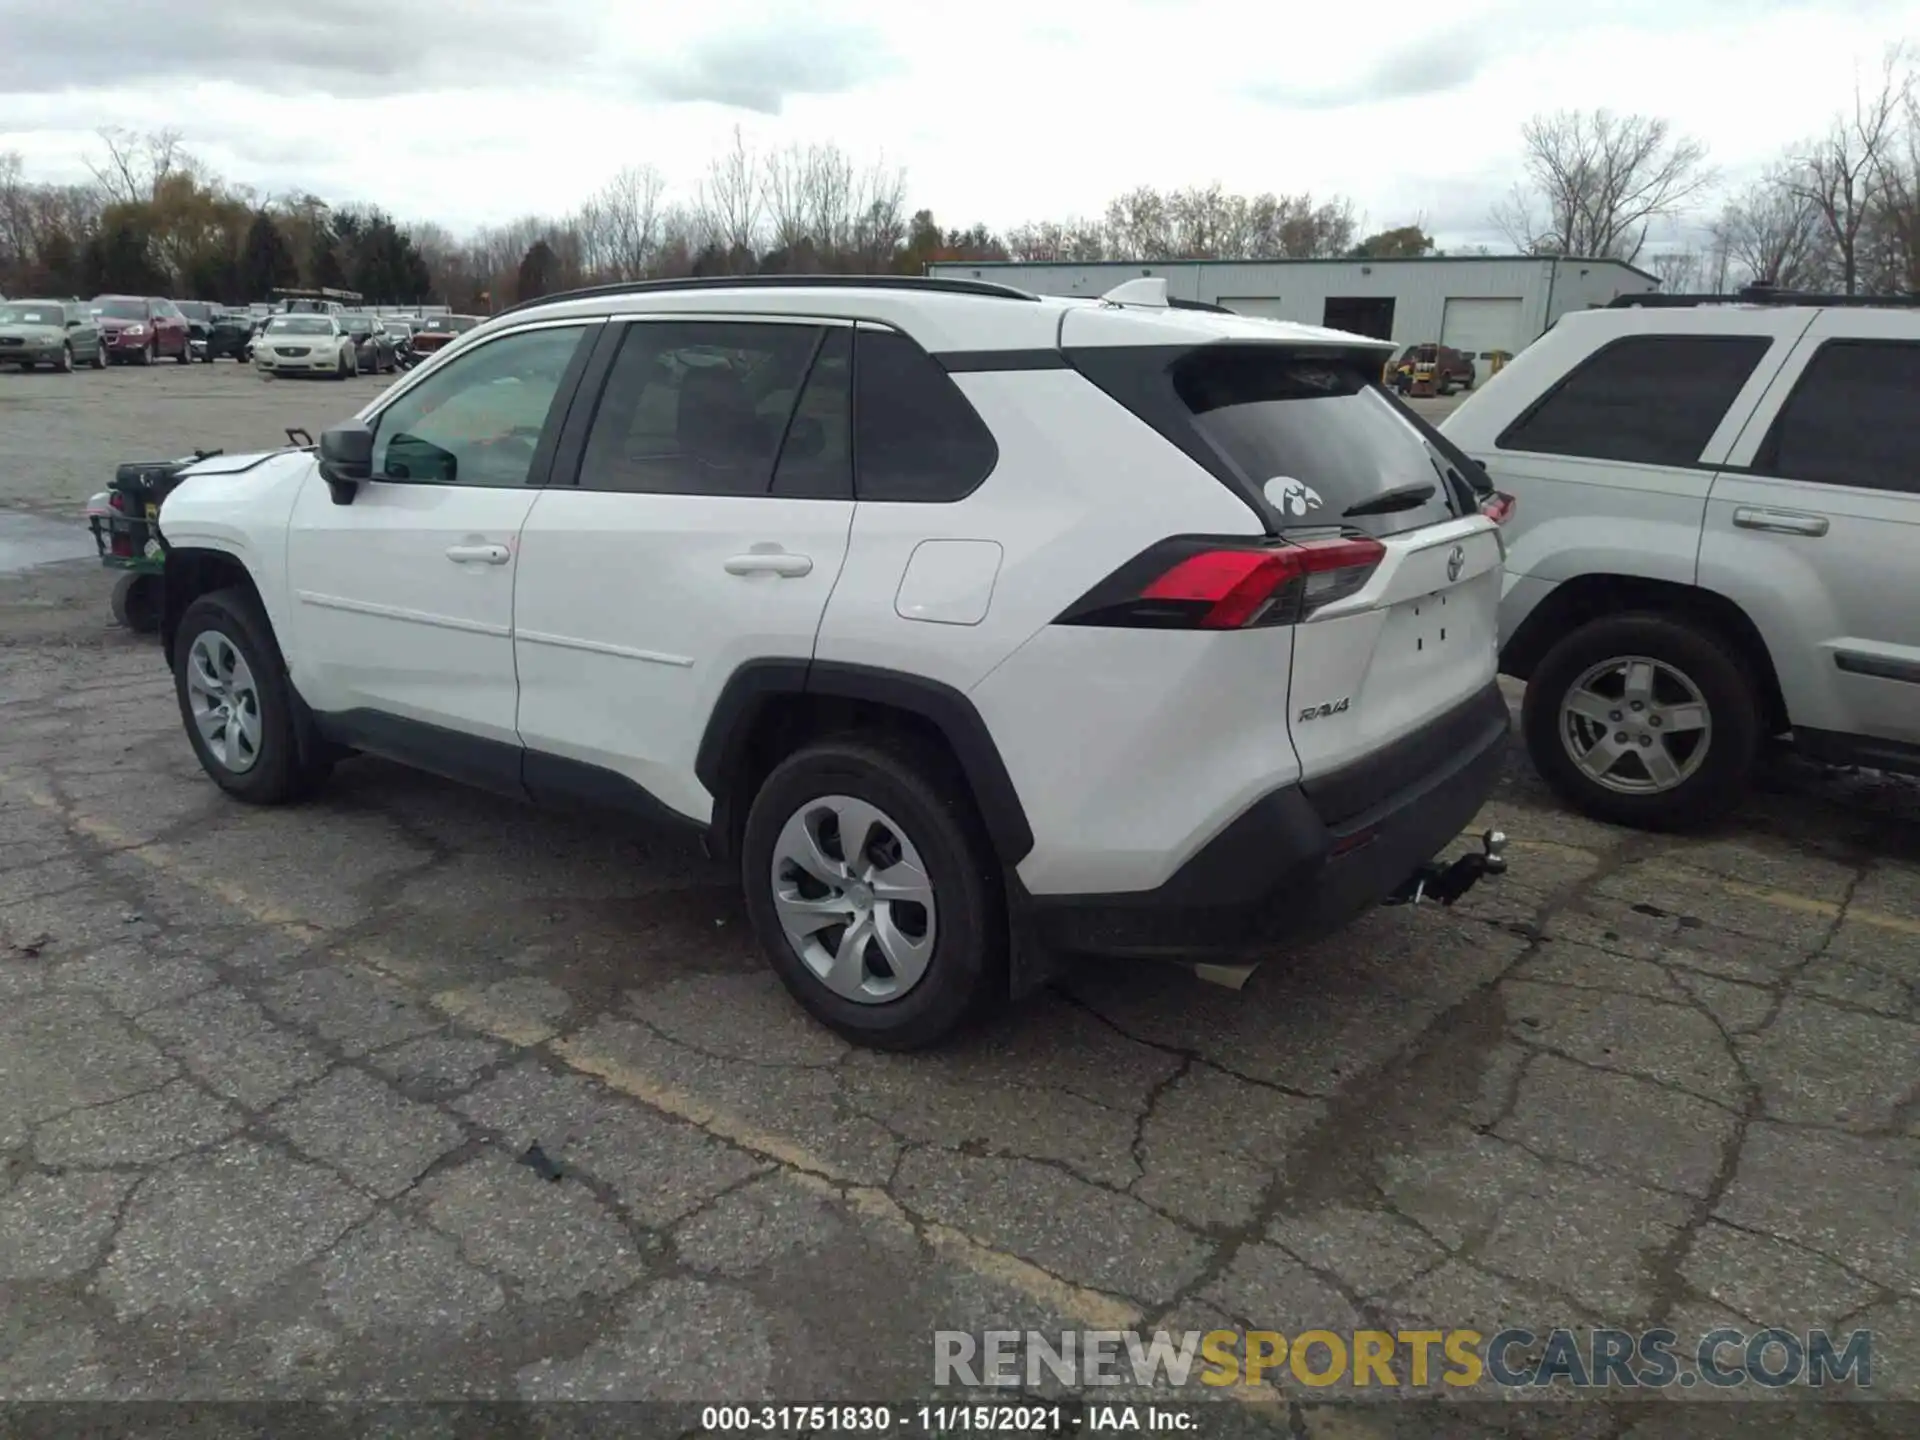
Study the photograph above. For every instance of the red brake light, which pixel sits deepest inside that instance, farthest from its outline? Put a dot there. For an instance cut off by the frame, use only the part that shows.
(1192, 584)
(1499, 507)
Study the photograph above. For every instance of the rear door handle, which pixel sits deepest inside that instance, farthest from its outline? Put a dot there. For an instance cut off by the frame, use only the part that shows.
(770, 562)
(1781, 522)
(484, 554)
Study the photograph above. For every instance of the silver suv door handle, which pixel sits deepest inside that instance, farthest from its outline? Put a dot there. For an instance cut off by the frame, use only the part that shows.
(485, 554)
(1783, 522)
(770, 562)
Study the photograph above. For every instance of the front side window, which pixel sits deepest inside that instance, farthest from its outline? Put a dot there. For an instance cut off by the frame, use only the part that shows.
(1645, 400)
(477, 421)
(1854, 419)
(699, 407)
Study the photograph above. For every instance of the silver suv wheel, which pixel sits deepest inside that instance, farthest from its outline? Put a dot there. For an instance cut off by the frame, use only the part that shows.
(854, 898)
(1635, 725)
(224, 700)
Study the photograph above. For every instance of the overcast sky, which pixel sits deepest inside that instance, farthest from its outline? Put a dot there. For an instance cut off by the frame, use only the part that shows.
(473, 111)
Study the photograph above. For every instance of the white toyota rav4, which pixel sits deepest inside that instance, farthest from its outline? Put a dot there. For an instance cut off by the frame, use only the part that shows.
(975, 627)
(1717, 543)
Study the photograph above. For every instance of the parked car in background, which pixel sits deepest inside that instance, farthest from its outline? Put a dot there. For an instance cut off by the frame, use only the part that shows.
(305, 344)
(51, 333)
(229, 334)
(400, 332)
(436, 332)
(199, 317)
(141, 329)
(1718, 514)
(372, 348)
(1449, 369)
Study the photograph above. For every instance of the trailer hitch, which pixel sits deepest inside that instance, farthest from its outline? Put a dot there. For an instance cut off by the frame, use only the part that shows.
(1443, 884)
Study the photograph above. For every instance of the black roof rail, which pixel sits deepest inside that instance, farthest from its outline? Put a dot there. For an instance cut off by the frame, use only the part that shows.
(1763, 295)
(1173, 304)
(940, 283)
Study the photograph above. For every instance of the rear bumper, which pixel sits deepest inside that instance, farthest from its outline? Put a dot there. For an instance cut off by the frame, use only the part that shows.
(1283, 871)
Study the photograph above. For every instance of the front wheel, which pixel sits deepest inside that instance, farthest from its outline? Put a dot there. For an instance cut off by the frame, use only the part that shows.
(1644, 720)
(146, 355)
(65, 363)
(875, 893)
(185, 357)
(100, 356)
(236, 703)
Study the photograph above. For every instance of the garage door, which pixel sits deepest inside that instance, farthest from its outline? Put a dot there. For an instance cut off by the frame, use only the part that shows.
(1264, 307)
(1480, 326)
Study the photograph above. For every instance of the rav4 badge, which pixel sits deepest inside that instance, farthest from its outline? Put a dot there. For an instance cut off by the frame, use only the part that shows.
(1321, 712)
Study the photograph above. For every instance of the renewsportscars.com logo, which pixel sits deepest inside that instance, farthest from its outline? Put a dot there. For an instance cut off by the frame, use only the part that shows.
(1512, 1358)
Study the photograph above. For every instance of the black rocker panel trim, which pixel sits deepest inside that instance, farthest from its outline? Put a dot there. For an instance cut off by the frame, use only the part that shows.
(754, 684)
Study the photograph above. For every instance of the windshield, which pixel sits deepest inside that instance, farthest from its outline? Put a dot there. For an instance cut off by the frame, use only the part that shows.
(451, 324)
(121, 309)
(397, 328)
(300, 325)
(27, 313)
(1323, 428)
(196, 310)
(357, 322)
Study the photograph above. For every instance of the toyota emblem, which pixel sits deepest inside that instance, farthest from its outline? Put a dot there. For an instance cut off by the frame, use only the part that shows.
(1456, 562)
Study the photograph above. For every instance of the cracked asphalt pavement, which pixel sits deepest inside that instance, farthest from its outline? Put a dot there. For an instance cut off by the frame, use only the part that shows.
(269, 1081)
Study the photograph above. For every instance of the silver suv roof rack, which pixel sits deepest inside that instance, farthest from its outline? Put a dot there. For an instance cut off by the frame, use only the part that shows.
(1762, 295)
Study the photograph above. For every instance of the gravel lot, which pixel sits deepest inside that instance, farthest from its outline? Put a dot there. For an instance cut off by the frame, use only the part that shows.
(267, 1079)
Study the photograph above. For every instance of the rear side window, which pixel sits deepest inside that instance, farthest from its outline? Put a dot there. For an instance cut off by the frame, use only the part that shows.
(1645, 400)
(697, 407)
(1342, 451)
(916, 437)
(1854, 419)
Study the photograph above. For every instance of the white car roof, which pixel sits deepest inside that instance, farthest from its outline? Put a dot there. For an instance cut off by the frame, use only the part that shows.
(945, 320)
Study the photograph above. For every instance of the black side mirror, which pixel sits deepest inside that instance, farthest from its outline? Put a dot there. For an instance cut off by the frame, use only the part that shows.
(346, 459)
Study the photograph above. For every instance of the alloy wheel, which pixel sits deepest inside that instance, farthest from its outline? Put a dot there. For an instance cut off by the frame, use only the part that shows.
(1636, 725)
(224, 700)
(854, 898)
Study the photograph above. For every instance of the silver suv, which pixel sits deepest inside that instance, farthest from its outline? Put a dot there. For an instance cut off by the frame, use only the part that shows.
(1714, 544)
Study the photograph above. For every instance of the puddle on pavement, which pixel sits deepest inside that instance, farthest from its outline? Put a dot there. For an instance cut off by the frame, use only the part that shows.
(27, 541)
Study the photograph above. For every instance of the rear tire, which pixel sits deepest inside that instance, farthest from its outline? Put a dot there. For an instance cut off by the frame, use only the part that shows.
(136, 603)
(924, 824)
(1682, 656)
(233, 628)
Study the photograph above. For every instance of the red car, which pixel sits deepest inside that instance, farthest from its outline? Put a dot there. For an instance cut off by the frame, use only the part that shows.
(140, 329)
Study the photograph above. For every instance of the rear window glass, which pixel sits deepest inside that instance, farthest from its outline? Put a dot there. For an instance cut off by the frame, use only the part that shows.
(1647, 400)
(1340, 449)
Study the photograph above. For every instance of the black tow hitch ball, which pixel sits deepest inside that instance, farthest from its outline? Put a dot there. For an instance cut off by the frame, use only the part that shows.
(1444, 884)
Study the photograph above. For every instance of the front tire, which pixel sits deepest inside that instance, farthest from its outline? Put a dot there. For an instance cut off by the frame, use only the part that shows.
(147, 354)
(875, 893)
(1645, 720)
(100, 356)
(236, 703)
(185, 357)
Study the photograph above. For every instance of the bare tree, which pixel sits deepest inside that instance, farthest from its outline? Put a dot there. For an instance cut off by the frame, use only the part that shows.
(618, 228)
(786, 190)
(1679, 269)
(730, 199)
(1596, 181)
(136, 163)
(1773, 234)
(1839, 173)
(1895, 223)
(1138, 226)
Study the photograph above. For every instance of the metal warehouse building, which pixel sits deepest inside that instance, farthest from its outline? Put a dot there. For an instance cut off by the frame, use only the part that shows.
(1477, 303)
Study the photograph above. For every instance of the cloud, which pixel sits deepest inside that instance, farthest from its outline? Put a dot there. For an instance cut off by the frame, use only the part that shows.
(355, 49)
(1448, 61)
(759, 70)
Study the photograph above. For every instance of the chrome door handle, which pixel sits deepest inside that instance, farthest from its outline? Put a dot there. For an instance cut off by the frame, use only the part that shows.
(770, 562)
(1781, 522)
(485, 554)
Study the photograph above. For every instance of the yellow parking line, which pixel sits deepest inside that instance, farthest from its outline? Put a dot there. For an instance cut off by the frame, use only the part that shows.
(1091, 1308)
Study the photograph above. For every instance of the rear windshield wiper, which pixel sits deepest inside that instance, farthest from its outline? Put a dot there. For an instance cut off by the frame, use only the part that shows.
(1402, 497)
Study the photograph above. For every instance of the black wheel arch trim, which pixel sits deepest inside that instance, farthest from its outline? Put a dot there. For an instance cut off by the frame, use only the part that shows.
(756, 683)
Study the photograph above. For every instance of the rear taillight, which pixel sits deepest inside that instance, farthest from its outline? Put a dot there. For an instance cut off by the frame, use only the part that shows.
(1195, 584)
(1498, 507)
